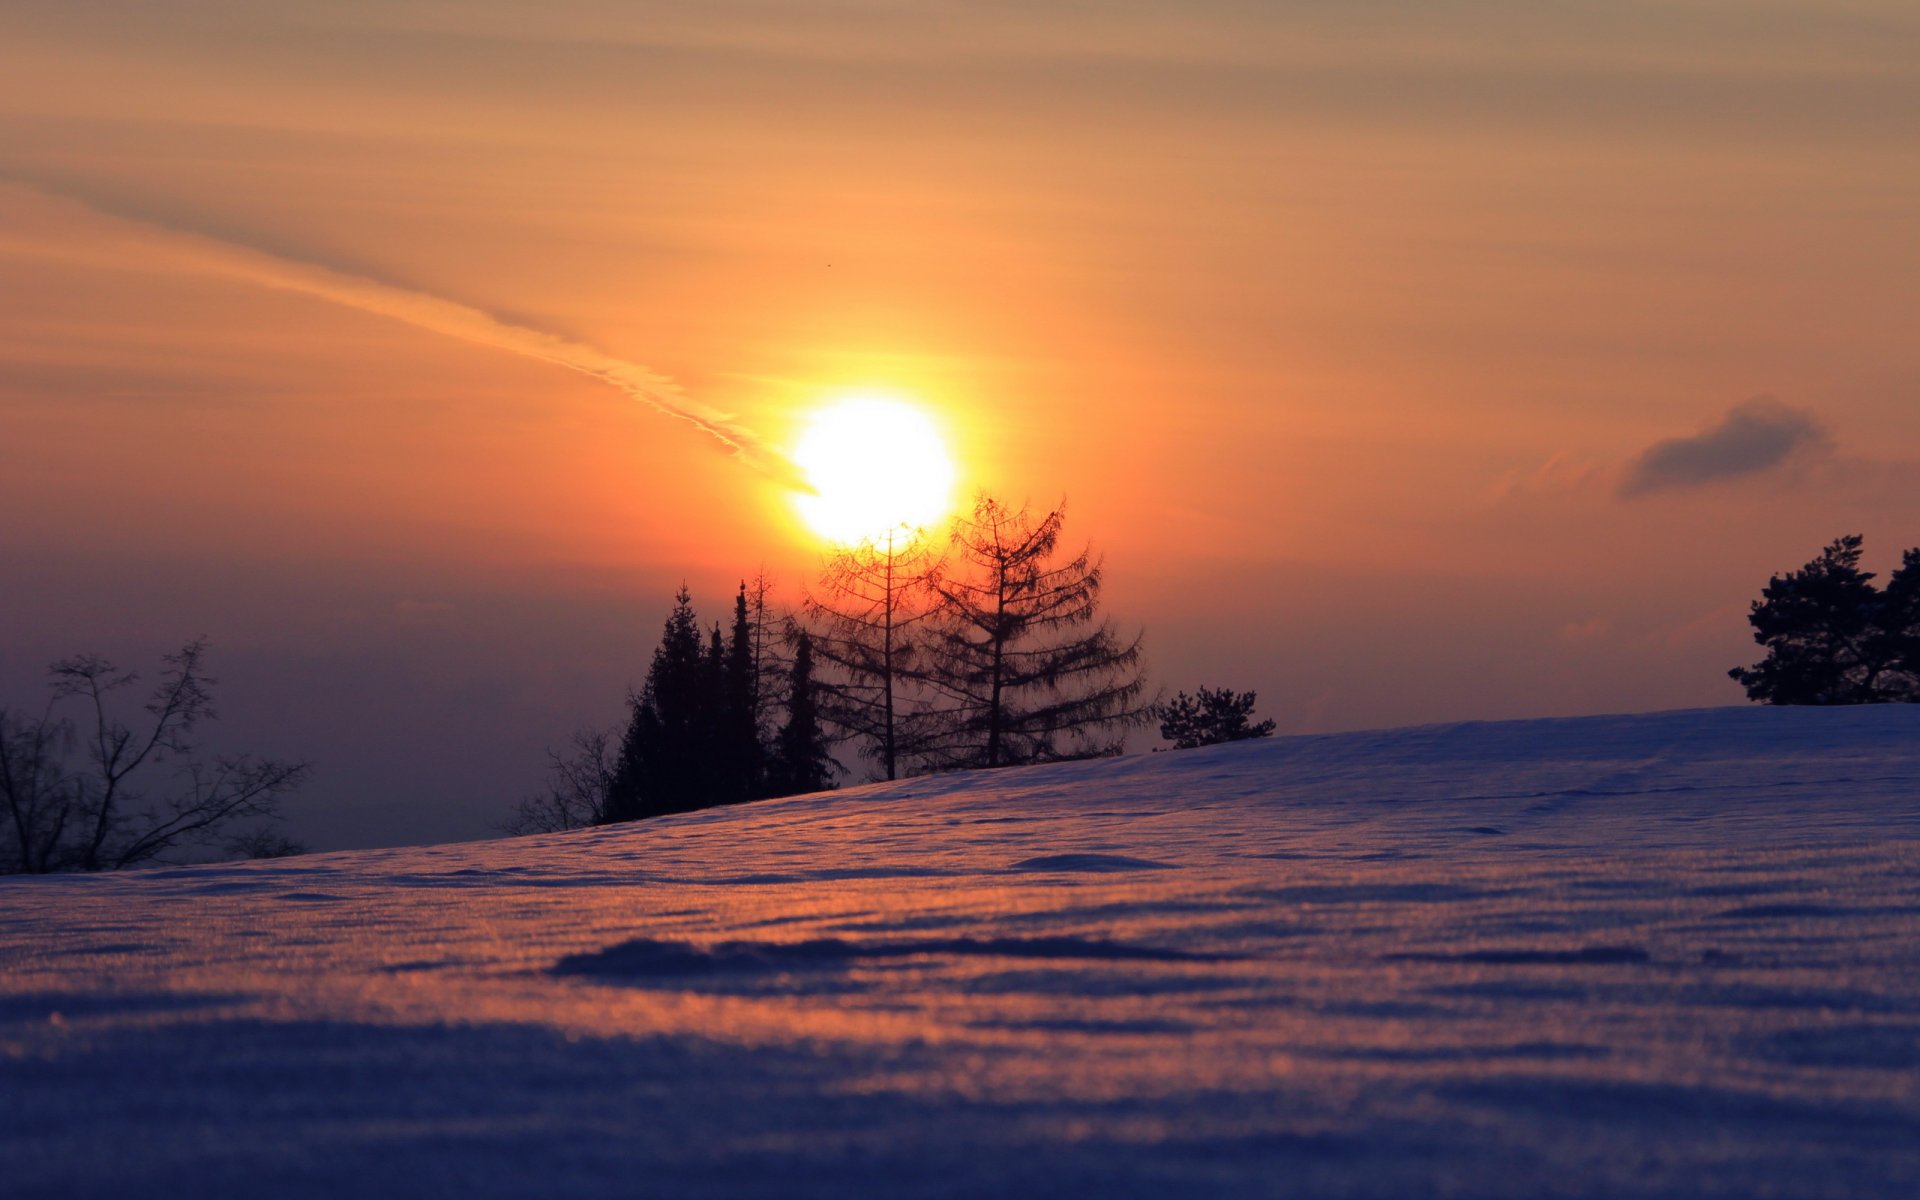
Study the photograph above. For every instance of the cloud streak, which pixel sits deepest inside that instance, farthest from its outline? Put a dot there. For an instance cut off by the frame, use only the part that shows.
(1755, 436)
(202, 253)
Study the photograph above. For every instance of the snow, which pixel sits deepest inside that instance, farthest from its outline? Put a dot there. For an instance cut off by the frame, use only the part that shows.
(1665, 955)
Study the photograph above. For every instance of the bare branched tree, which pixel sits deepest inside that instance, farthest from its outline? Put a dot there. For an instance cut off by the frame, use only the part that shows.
(578, 781)
(772, 641)
(105, 812)
(39, 797)
(863, 623)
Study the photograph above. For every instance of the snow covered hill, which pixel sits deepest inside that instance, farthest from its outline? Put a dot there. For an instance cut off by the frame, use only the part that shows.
(1664, 955)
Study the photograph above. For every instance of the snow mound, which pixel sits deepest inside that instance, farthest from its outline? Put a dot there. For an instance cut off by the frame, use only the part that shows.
(1665, 955)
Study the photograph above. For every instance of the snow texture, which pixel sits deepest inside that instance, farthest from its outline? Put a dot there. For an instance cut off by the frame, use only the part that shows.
(1666, 955)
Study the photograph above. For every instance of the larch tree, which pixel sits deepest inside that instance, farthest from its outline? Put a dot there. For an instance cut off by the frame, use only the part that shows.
(770, 633)
(864, 623)
(1027, 668)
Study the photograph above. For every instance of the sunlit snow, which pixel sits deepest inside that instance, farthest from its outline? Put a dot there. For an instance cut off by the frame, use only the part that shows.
(1675, 954)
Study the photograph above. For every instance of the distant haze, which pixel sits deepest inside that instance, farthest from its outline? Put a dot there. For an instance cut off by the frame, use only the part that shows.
(1408, 362)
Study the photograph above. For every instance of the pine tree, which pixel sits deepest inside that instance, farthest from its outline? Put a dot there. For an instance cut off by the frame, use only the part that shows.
(1209, 717)
(864, 625)
(742, 757)
(1028, 669)
(713, 724)
(803, 755)
(1831, 636)
(665, 757)
(1898, 635)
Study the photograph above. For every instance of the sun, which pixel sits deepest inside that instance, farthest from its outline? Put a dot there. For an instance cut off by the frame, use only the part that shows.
(877, 466)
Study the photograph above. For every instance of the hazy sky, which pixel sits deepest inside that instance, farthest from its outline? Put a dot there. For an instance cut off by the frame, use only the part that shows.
(1410, 361)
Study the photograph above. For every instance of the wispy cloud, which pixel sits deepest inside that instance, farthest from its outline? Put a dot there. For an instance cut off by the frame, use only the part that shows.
(190, 250)
(1754, 436)
(1561, 474)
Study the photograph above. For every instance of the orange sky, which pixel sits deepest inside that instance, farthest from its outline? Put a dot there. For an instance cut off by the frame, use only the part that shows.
(1341, 325)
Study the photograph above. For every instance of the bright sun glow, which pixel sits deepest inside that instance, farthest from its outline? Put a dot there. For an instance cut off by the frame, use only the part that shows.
(877, 465)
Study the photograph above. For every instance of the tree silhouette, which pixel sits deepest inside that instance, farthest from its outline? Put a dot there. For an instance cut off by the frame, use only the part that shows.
(665, 757)
(103, 813)
(580, 780)
(740, 753)
(1027, 669)
(1209, 717)
(1013, 649)
(864, 624)
(770, 630)
(802, 759)
(1832, 637)
(695, 734)
(1899, 629)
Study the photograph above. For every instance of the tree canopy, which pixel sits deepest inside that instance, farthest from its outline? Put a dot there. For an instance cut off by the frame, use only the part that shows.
(1210, 716)
(992, 654)
(1026, 667)
(700, 731)
(864, 622)
(1832, 637)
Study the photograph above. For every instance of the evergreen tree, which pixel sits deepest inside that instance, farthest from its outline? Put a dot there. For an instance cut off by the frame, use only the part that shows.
(1028, 669)
(864, 625)
(742, 758)
(1899, 630)
(803, 755)
(713, 679)
(1209, 717)
(665, 757)
(1831, 636)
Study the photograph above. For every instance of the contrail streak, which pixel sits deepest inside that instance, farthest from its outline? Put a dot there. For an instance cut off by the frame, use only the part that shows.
(201, 252)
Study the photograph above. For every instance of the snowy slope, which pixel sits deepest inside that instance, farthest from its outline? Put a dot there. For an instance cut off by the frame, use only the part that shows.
(1664, 955)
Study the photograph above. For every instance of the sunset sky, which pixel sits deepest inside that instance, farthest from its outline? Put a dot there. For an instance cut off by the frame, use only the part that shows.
(1409, 362)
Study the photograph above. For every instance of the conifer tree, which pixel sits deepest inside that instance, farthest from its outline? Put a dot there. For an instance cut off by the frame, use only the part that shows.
(803, 755)
(1829, 635)
(770, 665)
(1209, 717)
(1900, 628)
(864, 624)
(741, 755)
(664, 764)
(1028, 669)
(713, 681)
